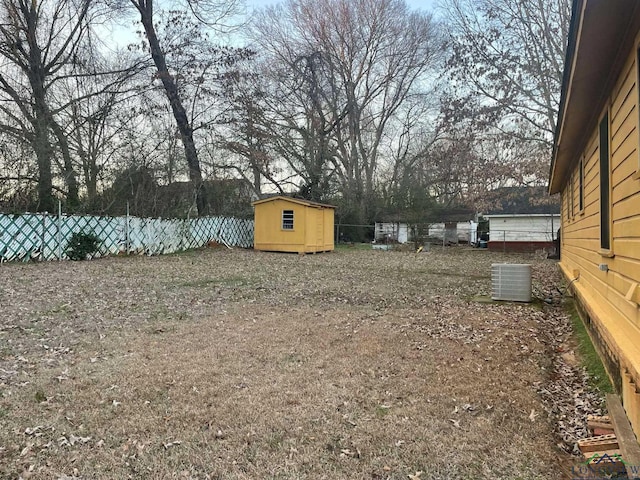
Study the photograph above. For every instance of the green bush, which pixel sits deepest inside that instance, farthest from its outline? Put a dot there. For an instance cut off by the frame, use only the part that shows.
(81, 245)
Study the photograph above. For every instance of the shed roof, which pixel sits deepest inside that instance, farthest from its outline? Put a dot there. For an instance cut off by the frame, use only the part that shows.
(299, 201)
(601, 34)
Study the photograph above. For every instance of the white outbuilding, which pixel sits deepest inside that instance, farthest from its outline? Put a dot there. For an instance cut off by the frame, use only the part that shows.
(523, 232)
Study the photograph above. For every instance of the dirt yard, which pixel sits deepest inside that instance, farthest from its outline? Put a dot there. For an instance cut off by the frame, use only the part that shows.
(221, 364)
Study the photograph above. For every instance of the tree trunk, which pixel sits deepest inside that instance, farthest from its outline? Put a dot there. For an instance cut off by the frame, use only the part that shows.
(145, 7)
(44, 152)
(42, 144)
(73, 199)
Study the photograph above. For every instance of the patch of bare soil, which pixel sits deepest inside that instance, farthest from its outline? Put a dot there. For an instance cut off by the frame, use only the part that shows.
(220, 364)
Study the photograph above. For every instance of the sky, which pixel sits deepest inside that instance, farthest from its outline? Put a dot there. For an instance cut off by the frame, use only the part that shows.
(417, 4)
(121, 36)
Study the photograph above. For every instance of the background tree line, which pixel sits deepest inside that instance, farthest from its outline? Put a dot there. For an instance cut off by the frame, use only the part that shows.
(368, 104)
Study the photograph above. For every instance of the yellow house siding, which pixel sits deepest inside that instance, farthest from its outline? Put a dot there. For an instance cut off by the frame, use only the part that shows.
(581, 231)
(615, 317)
(623, 99)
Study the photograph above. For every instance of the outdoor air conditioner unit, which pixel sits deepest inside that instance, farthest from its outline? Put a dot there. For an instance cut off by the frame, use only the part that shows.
(511, 282)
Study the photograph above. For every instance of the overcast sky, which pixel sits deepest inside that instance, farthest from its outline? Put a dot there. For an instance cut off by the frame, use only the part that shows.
(417, 4)
(122, 35)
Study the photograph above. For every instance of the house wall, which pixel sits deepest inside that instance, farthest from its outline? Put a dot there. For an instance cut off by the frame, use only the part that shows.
(523, 228)
(466, 232)
(607, 280)
(395, 231)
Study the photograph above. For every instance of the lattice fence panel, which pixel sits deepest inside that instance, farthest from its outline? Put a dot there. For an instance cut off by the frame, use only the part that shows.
(110, 230)
(22, 237)
(44, 237)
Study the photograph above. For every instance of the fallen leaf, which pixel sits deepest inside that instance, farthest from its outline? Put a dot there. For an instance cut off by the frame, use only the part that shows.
(171, 444)
(26, 449)
(34, 430)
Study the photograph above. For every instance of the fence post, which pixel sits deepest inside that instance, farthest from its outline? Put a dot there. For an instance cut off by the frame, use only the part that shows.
(127, 233)
(42, 239)
(504, 241)
(59, 236)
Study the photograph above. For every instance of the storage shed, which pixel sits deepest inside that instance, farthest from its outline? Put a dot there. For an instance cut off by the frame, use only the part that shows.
(284, 224)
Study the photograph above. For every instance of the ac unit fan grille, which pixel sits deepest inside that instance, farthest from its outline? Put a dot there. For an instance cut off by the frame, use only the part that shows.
(511, 282)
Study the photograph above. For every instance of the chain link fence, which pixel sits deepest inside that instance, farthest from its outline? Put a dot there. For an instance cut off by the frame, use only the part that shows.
(384, 235)
(31, 236)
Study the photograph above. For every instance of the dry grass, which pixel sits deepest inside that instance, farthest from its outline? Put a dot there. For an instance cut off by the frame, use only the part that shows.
(240, 364)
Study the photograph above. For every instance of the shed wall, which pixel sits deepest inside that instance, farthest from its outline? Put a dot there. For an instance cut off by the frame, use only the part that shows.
(312, 227)
(269, 234)
(329, 222)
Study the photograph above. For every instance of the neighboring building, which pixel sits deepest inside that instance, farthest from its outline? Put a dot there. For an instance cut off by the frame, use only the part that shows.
(455, 232)
(284, 224)
(523, 232)
(138, 189)
(522, 219)
(391, 232)
(229, 197)
(596, 168)
(520, 199)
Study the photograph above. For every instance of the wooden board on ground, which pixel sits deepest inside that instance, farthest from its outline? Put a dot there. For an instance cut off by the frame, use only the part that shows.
(615, 454)
(626, 438)
(598, 421)
(598, 444)
(606, 463)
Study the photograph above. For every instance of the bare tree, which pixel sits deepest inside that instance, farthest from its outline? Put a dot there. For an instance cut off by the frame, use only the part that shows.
(360, 61)
(211, 13)
(93, 123)
(38, 40)
(507, 61)
(247, 131)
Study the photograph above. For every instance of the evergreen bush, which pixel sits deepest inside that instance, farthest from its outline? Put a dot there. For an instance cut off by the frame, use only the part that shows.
(82, 245)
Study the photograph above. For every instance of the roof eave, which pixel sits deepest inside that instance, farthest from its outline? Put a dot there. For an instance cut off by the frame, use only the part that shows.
(600, 36)
(299, 201)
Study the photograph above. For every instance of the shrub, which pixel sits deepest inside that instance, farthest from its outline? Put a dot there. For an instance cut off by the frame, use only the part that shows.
(81, 245)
